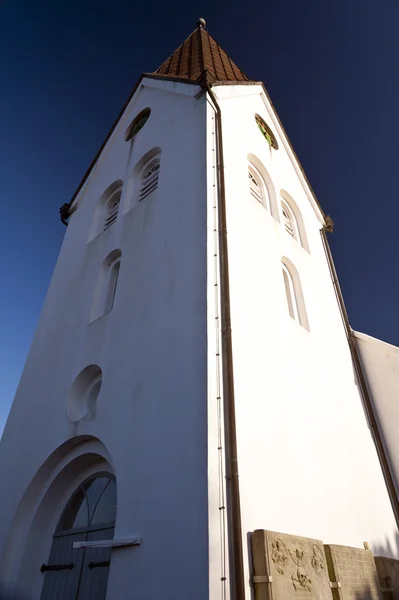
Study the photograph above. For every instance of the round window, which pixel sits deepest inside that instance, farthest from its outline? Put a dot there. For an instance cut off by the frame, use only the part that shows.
(266, 132)
(82, 397)
(137, 123)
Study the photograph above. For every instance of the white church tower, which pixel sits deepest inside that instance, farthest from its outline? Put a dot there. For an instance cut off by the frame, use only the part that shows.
(192, 333)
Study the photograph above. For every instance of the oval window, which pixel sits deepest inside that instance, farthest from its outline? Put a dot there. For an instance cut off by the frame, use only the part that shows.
(266, 132)
(138, 122)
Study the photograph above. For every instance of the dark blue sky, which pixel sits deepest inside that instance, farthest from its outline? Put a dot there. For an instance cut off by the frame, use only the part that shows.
(67, 67)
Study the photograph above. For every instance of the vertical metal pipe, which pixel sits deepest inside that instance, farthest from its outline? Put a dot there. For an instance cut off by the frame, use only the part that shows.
(232, 483)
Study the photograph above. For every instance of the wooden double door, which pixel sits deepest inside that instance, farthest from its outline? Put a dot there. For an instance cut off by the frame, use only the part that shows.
(82, 574)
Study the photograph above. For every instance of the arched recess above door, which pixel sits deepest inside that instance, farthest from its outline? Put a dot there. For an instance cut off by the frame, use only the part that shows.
(43, 501)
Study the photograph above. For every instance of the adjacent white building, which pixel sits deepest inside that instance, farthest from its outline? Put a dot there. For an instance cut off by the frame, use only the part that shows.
(192, 319)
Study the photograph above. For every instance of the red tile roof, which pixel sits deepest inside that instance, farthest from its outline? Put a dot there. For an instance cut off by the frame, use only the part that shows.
(198, 54)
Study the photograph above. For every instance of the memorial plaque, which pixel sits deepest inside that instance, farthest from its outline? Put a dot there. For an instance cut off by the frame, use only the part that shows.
(289, 567)
(354, 573)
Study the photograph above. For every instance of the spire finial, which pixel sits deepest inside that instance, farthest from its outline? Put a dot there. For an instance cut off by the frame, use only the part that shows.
(201, 22)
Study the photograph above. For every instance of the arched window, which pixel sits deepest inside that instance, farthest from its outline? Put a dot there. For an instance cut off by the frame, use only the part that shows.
(106, 209)
(257, 187)
(149, 179)
(106, 287)
(292, 219)
(290, 294)
(93, 503)
(293, 292)
(289, 220)
(112, 283)
(89, 515)
(112, 208)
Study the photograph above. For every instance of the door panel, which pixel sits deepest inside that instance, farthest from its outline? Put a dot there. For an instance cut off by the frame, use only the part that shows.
(63, 584)
(93, 585)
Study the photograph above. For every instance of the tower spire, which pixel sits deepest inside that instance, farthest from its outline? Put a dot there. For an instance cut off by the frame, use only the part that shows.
(198, 54)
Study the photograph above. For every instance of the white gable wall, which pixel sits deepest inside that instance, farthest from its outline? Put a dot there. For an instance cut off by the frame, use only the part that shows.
(306, 458)
(151, 412)
(307, 462)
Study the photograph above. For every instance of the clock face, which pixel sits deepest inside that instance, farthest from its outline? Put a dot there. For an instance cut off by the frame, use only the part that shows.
(138, 123)
(266, 132)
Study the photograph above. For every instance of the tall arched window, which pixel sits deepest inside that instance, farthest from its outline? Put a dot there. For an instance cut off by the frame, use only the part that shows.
(106, 287)
(257, 187)
(290, 294)
(89, 515)
(112, 208)
(293, 292)
(112, 283)
(149, 179)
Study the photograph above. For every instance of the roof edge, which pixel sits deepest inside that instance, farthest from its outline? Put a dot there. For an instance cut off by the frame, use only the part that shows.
(169, 78)
(111, 131)
(197, 82)
(237, 82)
(373, 340)
(326, 218)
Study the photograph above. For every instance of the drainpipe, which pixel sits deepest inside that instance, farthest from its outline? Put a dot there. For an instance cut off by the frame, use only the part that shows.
(232, 482)
(367, 402)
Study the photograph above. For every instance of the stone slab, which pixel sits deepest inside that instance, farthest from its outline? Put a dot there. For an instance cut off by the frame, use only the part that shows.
(355, 572)
(388, 574)
(289, 567)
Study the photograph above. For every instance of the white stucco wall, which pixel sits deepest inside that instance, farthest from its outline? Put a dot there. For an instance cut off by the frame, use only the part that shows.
(307, 462)
(151, 413)
(380, 362)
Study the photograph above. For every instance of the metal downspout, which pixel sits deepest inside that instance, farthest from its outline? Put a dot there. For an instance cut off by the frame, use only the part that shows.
(232, 482)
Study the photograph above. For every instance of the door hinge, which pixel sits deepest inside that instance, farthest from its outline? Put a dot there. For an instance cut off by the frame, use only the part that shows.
(44, 568)
(104, 563)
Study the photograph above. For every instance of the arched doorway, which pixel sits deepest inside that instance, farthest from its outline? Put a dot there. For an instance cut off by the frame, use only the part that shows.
(82, 574)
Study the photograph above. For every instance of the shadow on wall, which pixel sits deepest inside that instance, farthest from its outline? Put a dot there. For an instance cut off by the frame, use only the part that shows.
(387, 581)
(388, 569)
(388, 549)
(366, 594)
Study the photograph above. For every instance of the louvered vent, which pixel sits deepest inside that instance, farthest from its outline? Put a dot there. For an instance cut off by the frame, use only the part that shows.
(149, 180)
(113, 207)
(255, 188)
(287, 222)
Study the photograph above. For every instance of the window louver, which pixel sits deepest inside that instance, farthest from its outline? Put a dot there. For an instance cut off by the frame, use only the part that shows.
(288, 223)
(112, 212)
(255, 188)
(149, 182)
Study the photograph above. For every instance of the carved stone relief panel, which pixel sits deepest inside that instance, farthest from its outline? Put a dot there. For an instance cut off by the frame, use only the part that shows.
(289, 567)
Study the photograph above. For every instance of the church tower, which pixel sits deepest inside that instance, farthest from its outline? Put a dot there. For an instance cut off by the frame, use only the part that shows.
(190, 379)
